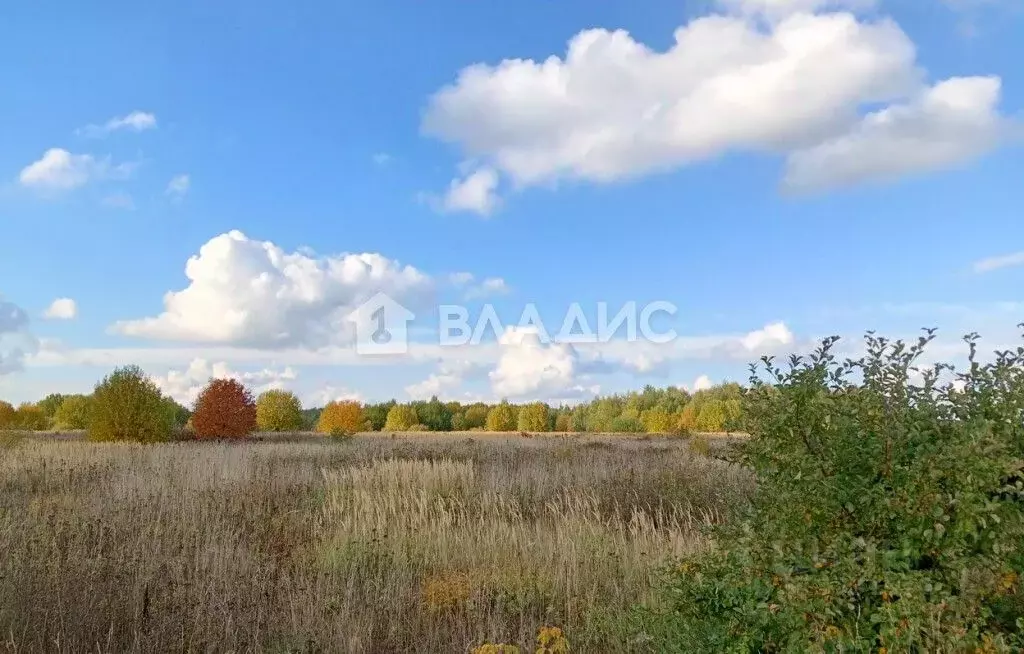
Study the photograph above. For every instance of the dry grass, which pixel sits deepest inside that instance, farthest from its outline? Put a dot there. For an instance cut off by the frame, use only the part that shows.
(426, 544)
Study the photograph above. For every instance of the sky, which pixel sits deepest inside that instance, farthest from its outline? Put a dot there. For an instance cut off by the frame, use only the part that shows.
(212, 189)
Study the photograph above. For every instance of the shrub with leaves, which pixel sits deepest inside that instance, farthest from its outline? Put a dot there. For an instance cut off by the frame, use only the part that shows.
(73, 412)
(128, 406)
(278, 410)
(224, 409)
(340, 418)
(887, 518)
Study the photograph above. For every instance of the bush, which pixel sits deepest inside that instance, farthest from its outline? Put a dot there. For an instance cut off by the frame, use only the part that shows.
(278, 411)
(418, 427)
(73, 412)
(476, 417)
(128, 406)
(345, 417)
(501, 417)
(224, 409)
(563, 422)
(887, 517)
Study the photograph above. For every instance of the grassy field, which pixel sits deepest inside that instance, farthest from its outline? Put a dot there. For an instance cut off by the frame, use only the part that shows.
(426, 543)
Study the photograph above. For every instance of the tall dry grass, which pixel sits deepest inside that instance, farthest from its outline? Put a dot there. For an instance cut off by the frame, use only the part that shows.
(376, 545)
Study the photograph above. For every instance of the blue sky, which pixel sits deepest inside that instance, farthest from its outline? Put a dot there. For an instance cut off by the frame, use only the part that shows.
(780, 170)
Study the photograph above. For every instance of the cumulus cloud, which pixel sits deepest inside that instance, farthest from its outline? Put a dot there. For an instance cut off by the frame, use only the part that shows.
(1001, 261)
(63, 308)
(136, 121)
(16, 343)
(60, 170)
(613, 108)
(185, 385)
(530, 368)
(476, 193)
(328, 394)
(178, 186)
(253, 293)
(950, 123)
(474, 290)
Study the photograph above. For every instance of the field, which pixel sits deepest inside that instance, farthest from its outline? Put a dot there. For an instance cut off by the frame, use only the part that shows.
(416, 542)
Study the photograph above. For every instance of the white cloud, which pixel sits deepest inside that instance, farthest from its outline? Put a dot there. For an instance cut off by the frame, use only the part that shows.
(529, 368)
(253, 293)
(16, 343)
(60, 170)
(950, 123)
(185, 385)
(702, 383)
(329, 394)
(136, 121)
(62, 309)
(119, 201)
(769, 337)
(178, 186)
(613, 108)
(382, 158)
(474, 193)
(778, 9)
(1002, 261)
(472, 290)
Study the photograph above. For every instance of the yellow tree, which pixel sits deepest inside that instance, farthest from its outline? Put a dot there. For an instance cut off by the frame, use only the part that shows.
(656, 421)
(345, 417)
(501, 417)
(401, 417)
(30, 417)
(7, 415)
(73, 412)
(278, 410)
(533, 417)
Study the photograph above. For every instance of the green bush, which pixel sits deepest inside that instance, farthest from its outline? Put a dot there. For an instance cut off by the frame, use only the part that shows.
(127, 406)
(626, 425)
(73, 412)
(887, 518)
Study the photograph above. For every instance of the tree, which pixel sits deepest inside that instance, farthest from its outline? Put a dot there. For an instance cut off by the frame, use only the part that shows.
(656, 421)
(128, 406)
(626, 425)
(563, 422)
(30, 417)
(688, 416)
(73, 412)
(7, 415)
(578, 420)
(533, 417)
(49, 404)
(501, 418)
(224, 409)
(401, 417)
(278, 410)
(344, 417)
(476, 416)
(711, 416)
(435, 415)
(377, 414)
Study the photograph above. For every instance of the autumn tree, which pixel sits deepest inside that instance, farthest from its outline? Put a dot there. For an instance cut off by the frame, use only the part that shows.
(7, 415)
(49, 404)
(224, 409)
(563, 422)
(533, 417)
(401, 417)
(656, 421)
(344, 417)
(278, 410)
(127, 405)
(30, 417)
(73, 412)
(501, 417)
(376, 415)
(475, 416)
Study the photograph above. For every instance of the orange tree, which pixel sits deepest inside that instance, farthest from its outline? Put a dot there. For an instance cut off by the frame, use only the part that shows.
(224, 409)
(344, 417)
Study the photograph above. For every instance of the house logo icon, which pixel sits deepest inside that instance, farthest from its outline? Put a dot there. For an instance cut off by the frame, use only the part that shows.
(381, 326)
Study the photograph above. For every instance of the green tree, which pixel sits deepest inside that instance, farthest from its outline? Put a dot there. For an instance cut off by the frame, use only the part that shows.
(501, 418)
(626, 425)
(578, 420)
(127, 405)
(887, 515)
(49, 404)
(401, 417)
(711, 416)
(476, 416)
(73, 412)
(435, 415)
(278, 411)
(377, 414)
(534, 417)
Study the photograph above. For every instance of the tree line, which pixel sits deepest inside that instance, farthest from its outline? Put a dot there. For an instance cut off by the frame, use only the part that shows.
(227, 408)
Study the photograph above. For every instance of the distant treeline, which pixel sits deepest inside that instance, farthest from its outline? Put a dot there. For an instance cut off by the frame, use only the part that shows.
(652, 410)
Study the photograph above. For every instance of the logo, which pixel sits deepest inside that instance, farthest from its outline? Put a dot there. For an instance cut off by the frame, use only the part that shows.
(382, 326)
